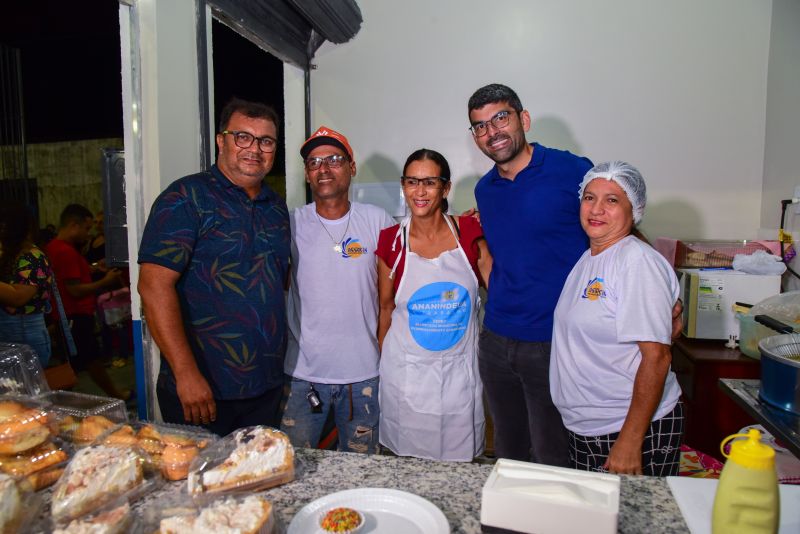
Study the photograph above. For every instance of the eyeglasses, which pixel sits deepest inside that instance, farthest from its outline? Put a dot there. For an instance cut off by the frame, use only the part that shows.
(433, 182)
(334, 162)
(500, 120)
(245, 140)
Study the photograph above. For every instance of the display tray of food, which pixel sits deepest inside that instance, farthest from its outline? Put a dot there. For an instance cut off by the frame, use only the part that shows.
(170, 448)
(251, 458)
(241, 514)
(99, 475)
(21, 372)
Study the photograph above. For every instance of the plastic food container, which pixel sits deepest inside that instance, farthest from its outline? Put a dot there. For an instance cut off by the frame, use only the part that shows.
(25, 424)
(170, 448)
(21, 372)
(19, 506)
(249, 459)
(39, 467)
(85, 417)
(784, 307)
(243, 513)
(115, 518)
(99, 475)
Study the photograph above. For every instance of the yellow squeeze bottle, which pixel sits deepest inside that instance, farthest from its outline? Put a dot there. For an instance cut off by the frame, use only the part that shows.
(747, 500)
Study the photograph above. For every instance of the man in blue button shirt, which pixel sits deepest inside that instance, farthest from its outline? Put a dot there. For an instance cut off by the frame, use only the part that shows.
(214, 259)
(529, 212)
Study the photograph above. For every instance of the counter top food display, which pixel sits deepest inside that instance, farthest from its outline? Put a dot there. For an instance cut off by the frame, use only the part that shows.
(646, 504)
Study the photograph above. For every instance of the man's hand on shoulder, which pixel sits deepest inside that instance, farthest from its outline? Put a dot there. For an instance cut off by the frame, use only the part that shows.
(474, 213)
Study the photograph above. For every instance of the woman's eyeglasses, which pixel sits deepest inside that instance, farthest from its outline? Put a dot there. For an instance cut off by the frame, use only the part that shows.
(427, 183)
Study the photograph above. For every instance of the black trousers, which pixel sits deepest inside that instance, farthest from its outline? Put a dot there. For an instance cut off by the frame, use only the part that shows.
(231, 414)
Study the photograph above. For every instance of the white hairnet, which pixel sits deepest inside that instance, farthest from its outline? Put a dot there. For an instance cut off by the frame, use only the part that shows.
(627, 177)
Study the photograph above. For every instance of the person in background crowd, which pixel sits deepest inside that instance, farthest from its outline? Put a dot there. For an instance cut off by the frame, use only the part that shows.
(73, 276)
(213, 262)
(96, 247)
(26, 282)
(610, 373)
(332, 357)
(429, 269)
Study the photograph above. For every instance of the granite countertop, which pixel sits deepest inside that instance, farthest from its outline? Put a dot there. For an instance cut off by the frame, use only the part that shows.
(646, 504)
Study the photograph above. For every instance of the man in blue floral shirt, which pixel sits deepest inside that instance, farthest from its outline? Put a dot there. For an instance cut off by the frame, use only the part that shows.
(214, 259)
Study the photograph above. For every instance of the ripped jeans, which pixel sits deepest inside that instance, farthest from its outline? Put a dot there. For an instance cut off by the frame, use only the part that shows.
(355, 409)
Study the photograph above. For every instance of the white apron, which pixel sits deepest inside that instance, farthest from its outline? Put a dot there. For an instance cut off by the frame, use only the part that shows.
(431, 396)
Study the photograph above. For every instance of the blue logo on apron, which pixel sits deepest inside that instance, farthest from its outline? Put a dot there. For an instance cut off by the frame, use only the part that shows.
(438, 315)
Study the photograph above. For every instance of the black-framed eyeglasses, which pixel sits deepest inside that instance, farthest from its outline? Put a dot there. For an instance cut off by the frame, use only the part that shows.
(431, 182)
(333, 161)
(500, 120)
(245, 140)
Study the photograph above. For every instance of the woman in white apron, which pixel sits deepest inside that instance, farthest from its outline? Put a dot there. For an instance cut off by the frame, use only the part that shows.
(428, 274)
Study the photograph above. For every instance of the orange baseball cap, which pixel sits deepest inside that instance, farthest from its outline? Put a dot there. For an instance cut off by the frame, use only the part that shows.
(326, 136)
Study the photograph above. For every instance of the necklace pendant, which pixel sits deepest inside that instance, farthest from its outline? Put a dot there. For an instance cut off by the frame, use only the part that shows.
(337, 247)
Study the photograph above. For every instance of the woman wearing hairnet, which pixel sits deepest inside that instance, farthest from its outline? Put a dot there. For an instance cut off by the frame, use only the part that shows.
(610, 367)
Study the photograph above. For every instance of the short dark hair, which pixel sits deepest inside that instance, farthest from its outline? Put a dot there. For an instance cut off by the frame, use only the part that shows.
(427, 154)
(493, 93)
(74, 213)
(254, 110)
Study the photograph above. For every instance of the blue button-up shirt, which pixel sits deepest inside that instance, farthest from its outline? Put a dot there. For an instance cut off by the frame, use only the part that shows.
(233, 255)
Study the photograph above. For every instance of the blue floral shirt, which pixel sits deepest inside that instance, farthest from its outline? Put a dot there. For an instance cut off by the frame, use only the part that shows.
(233, 256)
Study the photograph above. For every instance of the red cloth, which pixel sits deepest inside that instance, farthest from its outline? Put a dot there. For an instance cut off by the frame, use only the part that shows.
(469, 229)
(68, 264)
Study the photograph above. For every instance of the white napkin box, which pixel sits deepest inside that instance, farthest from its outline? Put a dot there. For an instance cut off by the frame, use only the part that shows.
(541, 499)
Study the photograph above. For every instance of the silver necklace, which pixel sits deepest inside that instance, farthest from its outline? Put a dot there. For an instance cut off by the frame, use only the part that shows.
(337, 245)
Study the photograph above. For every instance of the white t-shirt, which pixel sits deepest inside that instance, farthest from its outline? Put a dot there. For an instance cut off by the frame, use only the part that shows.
(333, 297)
(609, 302)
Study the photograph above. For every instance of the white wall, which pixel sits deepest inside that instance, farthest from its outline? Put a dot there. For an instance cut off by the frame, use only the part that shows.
(678, 88)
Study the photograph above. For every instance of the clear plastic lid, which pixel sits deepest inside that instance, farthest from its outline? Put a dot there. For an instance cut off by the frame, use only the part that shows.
(83, 431)
(20, 370)
(25, 423)
(251, 458)
(80, 405)
(39, 467)
(231, 514)
(115, 518)
(19, 506)
(171, 448)
(99, 475)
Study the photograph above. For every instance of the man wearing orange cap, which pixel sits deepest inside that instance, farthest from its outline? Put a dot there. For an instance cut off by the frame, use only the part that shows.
(332, 354)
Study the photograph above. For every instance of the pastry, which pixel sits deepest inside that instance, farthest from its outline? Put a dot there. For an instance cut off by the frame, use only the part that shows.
(123, 436)
(42, 479)
(37, 459)
(226, 516)
(262, 458)
(176, 459)
(9, 408)
(90, 429)
(341, 520)
(96, 475)
(10, 504)
(23, 430)
(114, 521)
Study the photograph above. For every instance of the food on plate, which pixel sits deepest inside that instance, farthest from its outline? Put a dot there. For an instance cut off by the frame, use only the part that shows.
(341, 520)
(95, 476)
(90, 429)
(10, 504)
(21, 430)
(176, 458)
(36, 459)
(262, 458)
(114, 521)
(230, 516)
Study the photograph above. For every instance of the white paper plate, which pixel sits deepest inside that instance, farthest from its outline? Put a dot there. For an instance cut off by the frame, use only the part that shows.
(385, 510)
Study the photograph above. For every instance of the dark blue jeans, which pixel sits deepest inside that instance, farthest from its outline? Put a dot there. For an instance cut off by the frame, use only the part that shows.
(516, 379)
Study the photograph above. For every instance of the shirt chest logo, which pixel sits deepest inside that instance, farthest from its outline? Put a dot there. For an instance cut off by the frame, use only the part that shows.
(594, 289)
(352, 248)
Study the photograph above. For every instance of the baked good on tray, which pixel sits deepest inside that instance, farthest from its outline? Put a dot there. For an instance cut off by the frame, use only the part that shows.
(10, 504)
(114, 521)
(95, 476)
(250, 515)
(21, 428)
(262, 457)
